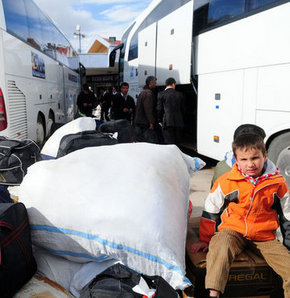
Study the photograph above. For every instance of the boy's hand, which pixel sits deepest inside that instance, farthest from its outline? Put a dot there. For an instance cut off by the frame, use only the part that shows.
(203, 246)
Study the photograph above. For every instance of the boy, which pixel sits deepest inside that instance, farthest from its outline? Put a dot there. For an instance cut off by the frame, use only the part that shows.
(226, 165)
(241, 205)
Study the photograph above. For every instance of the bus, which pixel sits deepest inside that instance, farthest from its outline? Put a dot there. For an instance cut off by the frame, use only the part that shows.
(231, 59)
(39, 73)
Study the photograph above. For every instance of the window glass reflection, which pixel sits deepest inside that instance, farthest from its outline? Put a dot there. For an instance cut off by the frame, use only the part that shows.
(15, 17)
(221, 10)
(34, 25)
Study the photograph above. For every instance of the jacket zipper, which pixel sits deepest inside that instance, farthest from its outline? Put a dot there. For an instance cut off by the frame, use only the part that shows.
(253, 193)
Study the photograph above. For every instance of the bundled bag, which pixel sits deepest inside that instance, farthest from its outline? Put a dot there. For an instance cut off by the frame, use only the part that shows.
(15, 157)
(122, 126)
(17, 264)
(83, 139)
(119, 281)
(140, 219)
(50, 148)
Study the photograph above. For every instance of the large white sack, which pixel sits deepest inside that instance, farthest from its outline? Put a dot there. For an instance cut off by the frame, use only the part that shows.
(127, 201)
(51, 146)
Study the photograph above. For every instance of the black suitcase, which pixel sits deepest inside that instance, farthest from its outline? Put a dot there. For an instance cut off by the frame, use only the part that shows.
(122, 127)
(88, 138)
(17, 264)
(15, 157)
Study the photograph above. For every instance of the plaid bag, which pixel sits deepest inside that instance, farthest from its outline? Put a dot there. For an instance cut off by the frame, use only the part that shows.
(15, 157)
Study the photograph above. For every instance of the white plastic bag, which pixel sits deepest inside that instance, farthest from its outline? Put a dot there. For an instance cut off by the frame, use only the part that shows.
(127, 201)
(51, 146)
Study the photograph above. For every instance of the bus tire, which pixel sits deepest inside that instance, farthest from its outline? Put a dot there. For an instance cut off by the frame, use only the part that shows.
(40, 131)
(283, 163)
(278, 145)
(49, 126)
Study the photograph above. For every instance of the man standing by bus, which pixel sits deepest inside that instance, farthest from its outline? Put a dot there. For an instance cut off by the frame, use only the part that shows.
(86, 102)
(170, 110)
(145, 117)
(123, 105)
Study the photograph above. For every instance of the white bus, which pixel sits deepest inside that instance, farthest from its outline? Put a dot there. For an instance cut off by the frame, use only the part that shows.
(38, 79)
(231, 58)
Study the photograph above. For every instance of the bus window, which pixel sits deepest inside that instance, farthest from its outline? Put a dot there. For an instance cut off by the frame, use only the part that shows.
(16, 19)
(133, 50)
(35, 34)
(255, 4)
(223, 10)
(48, 36)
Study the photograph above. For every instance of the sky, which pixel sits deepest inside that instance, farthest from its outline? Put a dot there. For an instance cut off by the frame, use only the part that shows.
(102, 17)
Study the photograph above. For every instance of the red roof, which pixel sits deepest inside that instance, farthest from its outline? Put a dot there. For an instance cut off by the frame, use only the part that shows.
(117, 42)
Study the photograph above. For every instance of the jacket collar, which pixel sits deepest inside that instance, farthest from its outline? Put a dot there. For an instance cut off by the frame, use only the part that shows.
(269, 170)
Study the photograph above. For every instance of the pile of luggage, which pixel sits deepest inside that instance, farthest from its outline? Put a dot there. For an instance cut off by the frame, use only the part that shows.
(102, 218)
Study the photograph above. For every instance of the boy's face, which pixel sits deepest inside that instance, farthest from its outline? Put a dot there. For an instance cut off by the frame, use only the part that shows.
(251, 161)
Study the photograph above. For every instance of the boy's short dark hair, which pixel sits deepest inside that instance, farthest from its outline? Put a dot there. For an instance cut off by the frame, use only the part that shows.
(249, 129)
(124, 84)
(170, 81)
(249, 141)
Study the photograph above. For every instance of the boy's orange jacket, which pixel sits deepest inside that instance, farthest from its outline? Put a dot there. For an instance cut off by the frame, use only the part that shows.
(252, 210)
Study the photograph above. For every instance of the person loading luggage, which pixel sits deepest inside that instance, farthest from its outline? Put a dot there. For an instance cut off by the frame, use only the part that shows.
(241, 207)
(86, 102)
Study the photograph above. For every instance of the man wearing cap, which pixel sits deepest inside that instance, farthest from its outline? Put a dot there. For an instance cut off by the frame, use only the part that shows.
(145, 117)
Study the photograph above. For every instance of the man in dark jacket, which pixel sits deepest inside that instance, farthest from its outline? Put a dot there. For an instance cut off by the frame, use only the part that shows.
(86, 102)
(145, 117)
(170, 110)
(123, 106)
(105, 103)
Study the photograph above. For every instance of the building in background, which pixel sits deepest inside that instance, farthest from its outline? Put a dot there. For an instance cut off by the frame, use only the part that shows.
(96, 61)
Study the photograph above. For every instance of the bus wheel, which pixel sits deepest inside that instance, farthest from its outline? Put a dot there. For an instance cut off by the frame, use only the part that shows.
(49, 127)
(277, 145)
(283, 163)
(40, 131)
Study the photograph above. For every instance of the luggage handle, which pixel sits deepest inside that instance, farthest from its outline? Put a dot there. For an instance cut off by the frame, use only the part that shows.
(6, 146)
(88, 132)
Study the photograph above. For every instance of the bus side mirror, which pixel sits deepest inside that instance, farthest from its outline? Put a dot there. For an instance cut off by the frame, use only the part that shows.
(82, 70)
(112, 56)
(112, 59)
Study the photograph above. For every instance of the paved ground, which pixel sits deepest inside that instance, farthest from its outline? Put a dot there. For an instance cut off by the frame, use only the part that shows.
(199, 189)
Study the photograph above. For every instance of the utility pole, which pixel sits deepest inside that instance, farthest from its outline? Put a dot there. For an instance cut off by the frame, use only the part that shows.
(80, 36)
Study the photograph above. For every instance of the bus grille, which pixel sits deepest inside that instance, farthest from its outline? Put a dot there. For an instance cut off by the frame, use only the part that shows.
(17, 112)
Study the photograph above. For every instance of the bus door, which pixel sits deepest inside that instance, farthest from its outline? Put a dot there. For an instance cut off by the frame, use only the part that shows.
(147, 53)
(59, 113)
(71, 90)
(173, 49)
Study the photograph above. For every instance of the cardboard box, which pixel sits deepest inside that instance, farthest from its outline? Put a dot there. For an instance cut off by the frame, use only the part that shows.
(250, 276)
